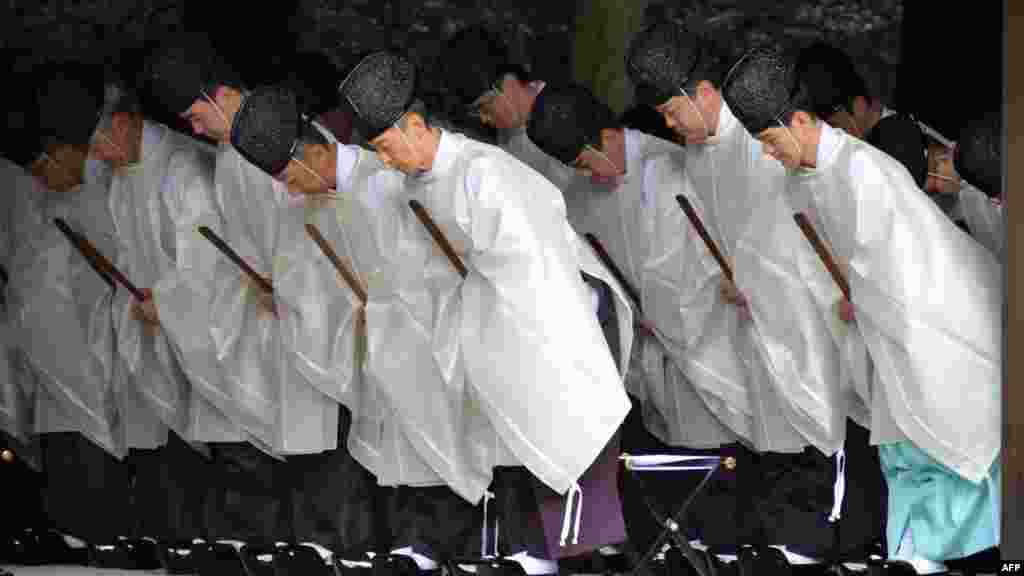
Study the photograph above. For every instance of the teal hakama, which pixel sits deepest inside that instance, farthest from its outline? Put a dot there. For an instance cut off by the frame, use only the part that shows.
(948, 516)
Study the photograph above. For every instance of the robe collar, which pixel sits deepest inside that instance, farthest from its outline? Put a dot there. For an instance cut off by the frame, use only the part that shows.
(444, 159)
(152, 136)
(634, 153)
(828, 146)
(348, 158)
(727, 123)
(828, 149)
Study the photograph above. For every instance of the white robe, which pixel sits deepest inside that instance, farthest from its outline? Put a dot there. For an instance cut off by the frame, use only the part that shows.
(985, 218)
(928, 302)
(572, 202)
(157, 205)
(640, 224)
(532, 349)
(386, 252)
(308, 417)
(409, 358)
(65, 316)
(264, 393)
(793, 362)
(700, 393)
(17, 380)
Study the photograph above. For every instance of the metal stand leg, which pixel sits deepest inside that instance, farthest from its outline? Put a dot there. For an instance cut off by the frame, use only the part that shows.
(673, 527)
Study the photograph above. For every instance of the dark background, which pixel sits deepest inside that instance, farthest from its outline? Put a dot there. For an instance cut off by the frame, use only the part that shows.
(943, 61)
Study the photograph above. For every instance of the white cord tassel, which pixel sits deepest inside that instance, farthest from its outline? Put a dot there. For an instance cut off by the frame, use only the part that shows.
(839, 488)
(567, 518)
(483, 529)
(496, 520)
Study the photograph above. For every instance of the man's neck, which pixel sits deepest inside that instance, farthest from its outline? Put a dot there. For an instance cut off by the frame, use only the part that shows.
(332, 165)
(715, 112)
(810, 147)
(135, 151)
(230, 102)
(872, 117)
(431, 147)
(526, 107)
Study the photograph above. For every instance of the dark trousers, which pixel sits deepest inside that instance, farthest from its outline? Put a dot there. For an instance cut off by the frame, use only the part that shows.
(332, 498)
(439, 524)
(169, 489)
(86, 491)
(23, 489)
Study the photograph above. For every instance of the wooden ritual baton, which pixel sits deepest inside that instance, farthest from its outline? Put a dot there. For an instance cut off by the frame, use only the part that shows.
(227, 251)
(98, 261)
(684, 203)
(823, 253)
(606, 259)
(438, 236)
(344, 270)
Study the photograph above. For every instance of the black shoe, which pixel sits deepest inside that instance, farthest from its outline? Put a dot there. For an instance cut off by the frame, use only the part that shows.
(259, 559)
(485, 567)
(218, 559)
(178, 557)
(890, 568)
(399, 565)
(300, 560)
(128, 554)
(32, 547)
(764, 561)
(352, 564)
(114, 555)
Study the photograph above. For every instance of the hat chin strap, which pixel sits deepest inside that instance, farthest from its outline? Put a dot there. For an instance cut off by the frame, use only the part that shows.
(220, 111)
(415, 153)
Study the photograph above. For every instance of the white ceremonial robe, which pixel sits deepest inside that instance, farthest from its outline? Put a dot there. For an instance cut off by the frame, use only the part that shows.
(928, 303)
(65, 316)
(985, 218)
(308, 416)
(700, 393)
(367, 234)
(157, 204)
(794, 364)
(17, 380)
(409, 358)
(532, 349)
(573, 203)
(690, 380)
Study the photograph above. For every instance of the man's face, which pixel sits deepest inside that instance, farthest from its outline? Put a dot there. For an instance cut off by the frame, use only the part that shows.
(206, 120)
(682, 117)
(105, 149)
(780, 143)
(495, 108)
(595, 164)
(395, 149)
(301, 181)
(942, 176)
(62, 168)
(111, 144)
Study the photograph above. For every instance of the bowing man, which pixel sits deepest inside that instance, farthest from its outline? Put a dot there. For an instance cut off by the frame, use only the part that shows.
(925, 297)
(521, 273)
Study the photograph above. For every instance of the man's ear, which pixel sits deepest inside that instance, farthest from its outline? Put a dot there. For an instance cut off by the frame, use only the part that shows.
(705, 92)
(317, 156)
(121, 124)
(801, 120)
(415, 123)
